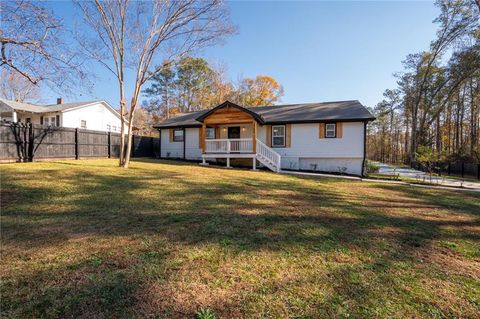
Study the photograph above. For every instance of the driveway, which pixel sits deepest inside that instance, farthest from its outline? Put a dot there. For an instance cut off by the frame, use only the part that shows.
(420, 176)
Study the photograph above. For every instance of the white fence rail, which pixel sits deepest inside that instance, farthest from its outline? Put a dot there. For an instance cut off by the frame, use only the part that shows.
(237, 145)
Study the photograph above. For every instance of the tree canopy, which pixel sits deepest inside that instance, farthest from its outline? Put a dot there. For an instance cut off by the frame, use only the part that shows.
(193, 84)
(437, 101)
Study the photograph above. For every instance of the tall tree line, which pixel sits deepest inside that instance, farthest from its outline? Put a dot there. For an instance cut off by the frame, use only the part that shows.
(193, 84)
(436, 103)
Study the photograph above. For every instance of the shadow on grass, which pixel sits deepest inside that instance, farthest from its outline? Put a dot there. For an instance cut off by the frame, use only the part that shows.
(239, 214)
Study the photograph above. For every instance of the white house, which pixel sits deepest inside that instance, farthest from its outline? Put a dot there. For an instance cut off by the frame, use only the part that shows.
(94, 115)
(324, 137)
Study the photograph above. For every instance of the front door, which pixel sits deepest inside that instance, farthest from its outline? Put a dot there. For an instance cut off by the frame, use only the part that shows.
(233, 132)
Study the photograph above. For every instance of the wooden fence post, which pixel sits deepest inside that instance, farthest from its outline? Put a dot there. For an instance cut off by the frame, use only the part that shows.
(31, 142)
(133, 146)
(76, 144)
(109, 138)
(24, 128)
(463, 169)
(478, 171)
(152, 152)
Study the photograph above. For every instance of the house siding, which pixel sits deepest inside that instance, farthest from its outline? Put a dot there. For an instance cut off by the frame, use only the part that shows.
(307, 151)
(192, 147)
(98, 116)
(172, 149)
(310, 152)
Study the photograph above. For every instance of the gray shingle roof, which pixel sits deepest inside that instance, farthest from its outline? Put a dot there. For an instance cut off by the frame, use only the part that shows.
(20, 106)
(289, 113)
(186, 119)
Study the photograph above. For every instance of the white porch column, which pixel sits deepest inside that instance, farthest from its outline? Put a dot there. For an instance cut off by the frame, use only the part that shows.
(254, 164)
(228, 162)
(14, 116)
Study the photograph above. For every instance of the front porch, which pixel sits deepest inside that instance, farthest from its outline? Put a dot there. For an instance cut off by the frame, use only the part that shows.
(230, 148)
(231, 131)
(241, 148)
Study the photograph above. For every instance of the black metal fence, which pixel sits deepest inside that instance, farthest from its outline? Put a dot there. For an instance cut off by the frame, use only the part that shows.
(29, 142)
(459, 169)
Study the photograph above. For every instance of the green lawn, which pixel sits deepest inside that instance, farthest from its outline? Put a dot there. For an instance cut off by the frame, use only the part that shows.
(165, 239)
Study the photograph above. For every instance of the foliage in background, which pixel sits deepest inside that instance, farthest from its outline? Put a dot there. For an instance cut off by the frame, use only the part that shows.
(437, 101)
(429, 159)
(192, 84)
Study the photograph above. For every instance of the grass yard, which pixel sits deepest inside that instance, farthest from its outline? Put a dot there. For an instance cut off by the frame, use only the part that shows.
(85, 239)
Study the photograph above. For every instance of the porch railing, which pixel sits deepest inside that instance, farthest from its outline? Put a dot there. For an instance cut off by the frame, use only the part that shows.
(268, 157)
(237, 145)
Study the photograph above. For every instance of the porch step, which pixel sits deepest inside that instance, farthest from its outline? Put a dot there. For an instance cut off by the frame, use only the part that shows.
(271, 165)
(268, 157)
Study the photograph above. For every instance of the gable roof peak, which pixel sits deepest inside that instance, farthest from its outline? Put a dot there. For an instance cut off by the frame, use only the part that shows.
(255, 115)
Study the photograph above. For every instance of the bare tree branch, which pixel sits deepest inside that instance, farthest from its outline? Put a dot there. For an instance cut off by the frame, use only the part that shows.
(139, 34)
(34, 45)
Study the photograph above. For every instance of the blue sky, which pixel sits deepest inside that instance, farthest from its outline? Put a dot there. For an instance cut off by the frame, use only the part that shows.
(318, 51)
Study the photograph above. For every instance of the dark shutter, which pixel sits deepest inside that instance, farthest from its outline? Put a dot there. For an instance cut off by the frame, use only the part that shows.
(41, 120)
(57, 119)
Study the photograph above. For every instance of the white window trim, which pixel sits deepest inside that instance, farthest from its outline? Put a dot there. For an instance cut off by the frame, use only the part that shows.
(81, 124)
(334, 130)
(284, 135)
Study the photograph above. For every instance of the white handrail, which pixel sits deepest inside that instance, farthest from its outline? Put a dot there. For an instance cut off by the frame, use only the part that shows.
(233, 145)
(266, 152)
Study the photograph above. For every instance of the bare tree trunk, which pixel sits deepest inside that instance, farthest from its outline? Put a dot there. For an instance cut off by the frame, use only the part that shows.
(461, 123)
(448, 117)
(121, 160)
(406, 137)
(438, 135)
(167, 100)
(133, 108)
(456, 138)
(129, 145)
(413, 137)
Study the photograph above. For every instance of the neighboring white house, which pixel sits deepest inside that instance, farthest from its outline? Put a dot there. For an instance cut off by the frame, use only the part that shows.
(324, 137)
(95, 115)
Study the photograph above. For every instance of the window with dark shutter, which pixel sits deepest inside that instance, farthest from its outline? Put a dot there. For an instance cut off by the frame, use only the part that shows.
(178, 135)
(330, 130)
(278, 135)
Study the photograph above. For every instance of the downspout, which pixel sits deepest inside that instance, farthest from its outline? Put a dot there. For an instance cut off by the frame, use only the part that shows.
(184, 141)
(364, 146)
(160, 143)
